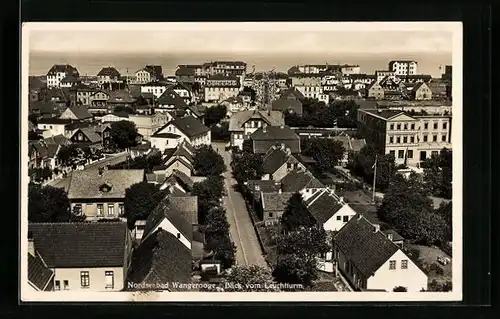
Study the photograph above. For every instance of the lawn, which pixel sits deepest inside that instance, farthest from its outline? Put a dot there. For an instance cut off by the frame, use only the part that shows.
(427, 257)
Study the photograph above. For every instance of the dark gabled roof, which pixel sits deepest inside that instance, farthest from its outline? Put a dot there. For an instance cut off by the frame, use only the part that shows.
(109, 71)
(166, 211)
(394, 234)
(184, 180)
(284, 104)
(70, 78)
(80, 112)
(54, 120)
(89, 132)
(121, 96)
(60, 68)
(274, 133)
(86, 244)
(155, 70)
(180, 159)
(366, 248)
(160, 260)
(292, 93)
(275, 158)
(186, 204)
(39, 274)
(238, 119)
(299, 179)
(293, 70)
(275, 201)
(185, 71)
(190, 126)
(386, 114)
(170, 97)
(324, 206)
(266, 186)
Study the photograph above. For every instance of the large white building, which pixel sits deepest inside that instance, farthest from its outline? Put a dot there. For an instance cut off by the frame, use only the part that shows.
(403, 67)
(60, 71)
(410, 137)
(221, 87)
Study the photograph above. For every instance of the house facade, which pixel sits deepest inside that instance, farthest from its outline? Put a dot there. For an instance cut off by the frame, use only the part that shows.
(273, 205)
(403, 67)
(376, 91)
(267, 136)
(243, 124)
(148, 124)
(189, 129)
(58, 72)
(221, 87)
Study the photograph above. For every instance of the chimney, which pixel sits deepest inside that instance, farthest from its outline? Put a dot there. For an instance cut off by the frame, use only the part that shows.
(360, 216)
(390, 236)
(31, 244)
(264, 130)
(376, 228)
(341, 199)
(288, 151)
(282, 146)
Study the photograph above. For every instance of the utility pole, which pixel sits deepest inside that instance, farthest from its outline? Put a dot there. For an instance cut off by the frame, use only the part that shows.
(374, 177)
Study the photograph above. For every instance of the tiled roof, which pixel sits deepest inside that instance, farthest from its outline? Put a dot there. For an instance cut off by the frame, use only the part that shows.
(109, 71)
(187, 205)
(87, 183)
(160, 259)
(394, 234)
(57, 139)
(284, 104)
(266, 186)
(121, 96)
(190, 126)
(170, 97)
(292, 93)
(299, 179)
(273, 118)
(165, 210)
(62, 68)
(155, 70)
(274, 133)
(274, 159)
(185, 181)
(39, 274)
(185, 71)
(387, 114)
(70, 78)
(275, 201)
(86, 245)
(90, 133)
(181, 160)
(324, 206)
(366, 248)
(54, 120)
(80, 112)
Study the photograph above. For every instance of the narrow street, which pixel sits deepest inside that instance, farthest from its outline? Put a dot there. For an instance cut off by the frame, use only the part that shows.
(248, 251)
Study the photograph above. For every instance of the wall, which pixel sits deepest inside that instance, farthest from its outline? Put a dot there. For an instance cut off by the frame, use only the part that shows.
(333, 224)
(412, 278)
(169, 227)
(178, 166)
(202, 139)
(284, 170)
(96, 278)
(51, 129)
(220, 93)
(236, 141)
(90, 209)
(163, 143)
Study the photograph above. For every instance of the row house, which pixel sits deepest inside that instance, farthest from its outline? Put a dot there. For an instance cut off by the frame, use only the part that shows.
(243, 124)
(78, 256)
(349, 69)
(232, 68)
(382, 74)
(98, 101)
(155, 88)
(221, 87)
(409, 138)
(180, 159)
(185, 74)
(58, 72)
(81, 94)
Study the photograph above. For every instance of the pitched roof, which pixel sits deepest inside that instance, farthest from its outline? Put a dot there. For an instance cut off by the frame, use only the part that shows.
(155, 70)
(166, 135)
(274, 133)
(70, 78)
(87, 183)
(57, 139)
(80, 112)
(43, 107)
(190, 126)
(266, 186)
(159, 260)
(394, 234)
(109, 71)
(386, 114)
(62, 68)
(187, 205)
(299, 179)
(284, 104)
(275, 158)
(366, 248)
(39, 274)
(292, 93)
(165, 210)
(182, 160)
(275, 201)
(273, 118)
(324, 206)
(170, 97)
(180, 177)
(90, 133)
(86, 244)
(121, 96)
(54, 120)
(185, 71)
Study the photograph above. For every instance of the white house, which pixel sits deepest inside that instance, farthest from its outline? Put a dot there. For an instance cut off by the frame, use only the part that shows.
(52, 126)
(369, 260)
(58, 72)
(187, 128)
(163, 141)
(155, 88)
(166, 217)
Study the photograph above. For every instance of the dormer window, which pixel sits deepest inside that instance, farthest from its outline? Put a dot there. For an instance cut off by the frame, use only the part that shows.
(105, 188)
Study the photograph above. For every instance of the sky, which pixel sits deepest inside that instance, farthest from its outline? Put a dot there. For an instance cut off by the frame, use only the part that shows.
(260, 38)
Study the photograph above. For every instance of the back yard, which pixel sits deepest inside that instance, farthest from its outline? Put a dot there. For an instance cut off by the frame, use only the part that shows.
(426, 258)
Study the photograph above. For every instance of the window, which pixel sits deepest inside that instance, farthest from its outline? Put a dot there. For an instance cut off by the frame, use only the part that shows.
(345, 219)
(445, 125)
(398, 139)
(66, 284)
(84, 279)
(57, 285)
(392, 264)
(426, 126)
(425, 138)
(398, 127)
(339, 217)
(413, 126)
(409, 154)
(270, 215)
(406, 126)
(434, 153)
(110, 279)
(178, 235)
(443, 138)
(392, 126)
(393, 153)
(100, 208)
(405, 139)
(401, 153)
(436, 126)
(434, 138)
(77, 209)
(404, 264)
(121, 209)
(111, 210)
(412, 139)
(391, 140)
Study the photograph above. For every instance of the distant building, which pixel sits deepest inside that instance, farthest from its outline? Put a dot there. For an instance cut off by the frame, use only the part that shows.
(186, 128)
(59, 72)
(350, 69)
(403, 67)
(150, 73)
(382, 74)
(109, 78)
(221, 87)
(243, 124)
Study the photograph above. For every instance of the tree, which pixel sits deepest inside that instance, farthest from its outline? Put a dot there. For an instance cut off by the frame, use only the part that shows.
(126, 109)
(247, 146)
(251, 278)
(216, 223)
(407, 208)
(123, 134)
(215, 114)
(207, 162)
(67, 153)
(34, 136)
(438, 173)
(296, 214)
(140, 200)
(33, 118)
(361, 165)
(445, 210)
(209, 193)
(47, 204)
(220, 132)
(246, 167)
(326, 152)
(145, 162)
(297, 252)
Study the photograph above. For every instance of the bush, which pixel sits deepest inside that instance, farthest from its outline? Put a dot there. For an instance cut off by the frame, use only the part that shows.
(436, 269)
(440, 287)
(400, 289)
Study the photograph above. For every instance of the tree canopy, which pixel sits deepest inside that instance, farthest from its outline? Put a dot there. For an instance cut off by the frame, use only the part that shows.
(296, 214)
(47, 204)
(216, 230)
(318, 114)
(123, 134)
(214, 114)
(209, 193)
(140, 200)
(438, 171)
(145, 162)
(247, 166)
(208, 162)
(67, 153)
(220, 132)
(326, 152)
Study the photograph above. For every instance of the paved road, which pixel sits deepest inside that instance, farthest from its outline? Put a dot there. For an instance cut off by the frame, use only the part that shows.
(110, 160)
(248, 251)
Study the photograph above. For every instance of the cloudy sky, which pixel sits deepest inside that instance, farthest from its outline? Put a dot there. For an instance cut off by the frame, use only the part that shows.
(270, 38)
